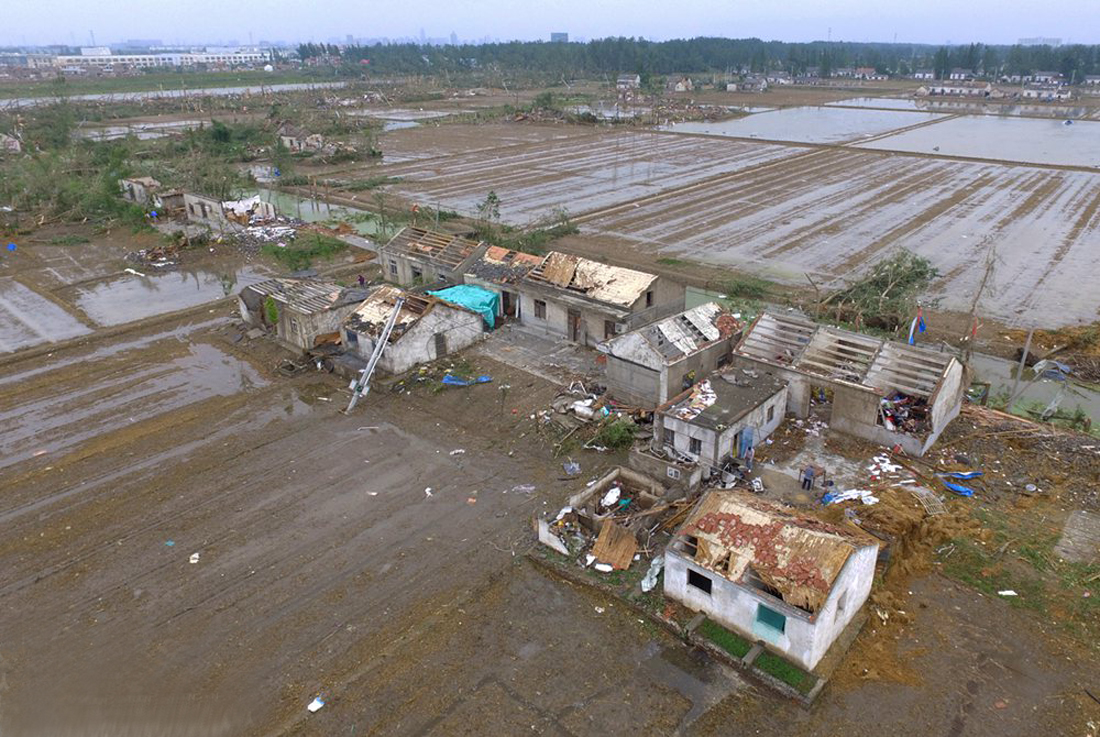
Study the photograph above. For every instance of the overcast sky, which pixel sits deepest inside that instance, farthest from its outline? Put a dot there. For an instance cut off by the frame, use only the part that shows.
(193, 21)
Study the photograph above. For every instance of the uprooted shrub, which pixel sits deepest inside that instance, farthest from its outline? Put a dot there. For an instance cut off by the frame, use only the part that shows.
(888, 295)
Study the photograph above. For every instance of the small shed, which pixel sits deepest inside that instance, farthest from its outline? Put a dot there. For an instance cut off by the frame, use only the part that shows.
(790, 581)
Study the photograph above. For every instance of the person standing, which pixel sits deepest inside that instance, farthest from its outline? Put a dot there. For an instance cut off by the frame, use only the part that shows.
(749, 455)
(808, 478)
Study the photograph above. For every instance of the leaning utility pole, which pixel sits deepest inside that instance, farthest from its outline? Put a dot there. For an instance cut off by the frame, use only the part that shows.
(361, 386)
(990, 261)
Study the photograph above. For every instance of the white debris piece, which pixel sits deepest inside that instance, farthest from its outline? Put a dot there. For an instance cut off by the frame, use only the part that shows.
(611, 496)
(650, 580)
(194, 557)
(1007, 592)
(315, 705)
(428, 491)
(863, 495)
(457, 452)
(564, 511)
(589, 559)
(603, 567)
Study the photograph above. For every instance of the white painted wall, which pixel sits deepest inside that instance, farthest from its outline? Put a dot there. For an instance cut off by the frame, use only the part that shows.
(806, 637)
(461, 328)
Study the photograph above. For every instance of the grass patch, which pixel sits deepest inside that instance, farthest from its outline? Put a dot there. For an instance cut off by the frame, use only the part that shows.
(790, 674)
(669, 261)
(735, 645)
(747, 287)
(299, 254)
(972, 565)
(363, 185)
(68, 240)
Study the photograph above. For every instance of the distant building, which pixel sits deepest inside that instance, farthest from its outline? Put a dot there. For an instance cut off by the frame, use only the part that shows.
(960, 75)
(1046, 93)
(957, 89)
(683, 84)
(791, 581)
(924, 74)
(1040, 41)
(779, 78)
(1047, 78)
(628, 82)
(1091, 80)
(559, 37)
(296, 140)
(751, 83)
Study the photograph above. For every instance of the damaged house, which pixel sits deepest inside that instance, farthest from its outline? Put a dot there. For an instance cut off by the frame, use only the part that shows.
(883, 391)
(138, 189)
(221, 215)
(603, 522)
(427, 328)
(790, 581)
(721, 418)
(501, 270)
(586, 301)
(296, 140)
(648, 365)
(303, 312)
(417, 256)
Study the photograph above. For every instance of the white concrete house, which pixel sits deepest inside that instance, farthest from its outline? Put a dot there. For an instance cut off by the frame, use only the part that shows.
(585, 301)
(427, 328)
(647, 366)
(790, 582)
(720, 418)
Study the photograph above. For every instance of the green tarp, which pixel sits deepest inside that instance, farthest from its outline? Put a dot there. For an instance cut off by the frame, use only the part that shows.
(477, 299)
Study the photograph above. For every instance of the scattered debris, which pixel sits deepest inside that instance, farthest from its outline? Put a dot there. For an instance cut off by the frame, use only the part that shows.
(315, 705)
(194, 557)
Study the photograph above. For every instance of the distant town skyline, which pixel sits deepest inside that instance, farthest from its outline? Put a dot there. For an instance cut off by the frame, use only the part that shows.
(75, 22)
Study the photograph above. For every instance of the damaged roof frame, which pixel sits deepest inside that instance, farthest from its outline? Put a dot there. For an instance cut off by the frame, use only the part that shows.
(797, 343)
(615, 287)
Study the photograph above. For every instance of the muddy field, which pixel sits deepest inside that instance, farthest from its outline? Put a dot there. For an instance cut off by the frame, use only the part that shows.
(578, 173)
(830, 212)
(785, 210)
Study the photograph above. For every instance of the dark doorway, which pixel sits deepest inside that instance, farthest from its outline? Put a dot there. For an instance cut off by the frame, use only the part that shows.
(440, 345)
(576, 333)
(509, 304)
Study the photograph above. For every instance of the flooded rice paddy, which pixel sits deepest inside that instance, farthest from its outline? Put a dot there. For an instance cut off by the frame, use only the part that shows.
(128, 297)
(27, 318)
(1025, 140)
(970, 106)
(809, 124)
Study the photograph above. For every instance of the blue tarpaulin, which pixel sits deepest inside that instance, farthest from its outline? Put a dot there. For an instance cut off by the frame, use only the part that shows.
(958, 488)
(456, 381)
(961, 475)
(481, 301)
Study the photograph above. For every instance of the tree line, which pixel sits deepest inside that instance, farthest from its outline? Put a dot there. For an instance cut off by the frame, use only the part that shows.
(708, 55)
